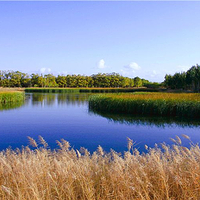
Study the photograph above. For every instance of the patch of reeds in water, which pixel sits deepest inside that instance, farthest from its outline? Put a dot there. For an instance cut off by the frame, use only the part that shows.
(118, 90)
(53, 90)
(164, 173)
(149, 104)
(89, 90)
(9, 97)
(11, 100)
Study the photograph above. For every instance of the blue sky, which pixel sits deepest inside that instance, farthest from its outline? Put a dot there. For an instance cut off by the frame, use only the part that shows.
(145, 39)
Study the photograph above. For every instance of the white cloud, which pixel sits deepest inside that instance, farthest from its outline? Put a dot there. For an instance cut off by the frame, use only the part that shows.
(133, 66)
(155, 72)
(130, 69)
(183, 68)
(65, 72)
(45, 70)
(101, 64)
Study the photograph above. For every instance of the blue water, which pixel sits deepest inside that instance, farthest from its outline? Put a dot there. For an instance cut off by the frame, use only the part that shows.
(56, 116)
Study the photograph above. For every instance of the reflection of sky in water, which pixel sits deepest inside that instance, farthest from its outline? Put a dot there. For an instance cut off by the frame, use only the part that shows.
(56, 116)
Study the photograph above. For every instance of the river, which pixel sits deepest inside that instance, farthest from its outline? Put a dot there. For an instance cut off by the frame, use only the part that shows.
(56, 116)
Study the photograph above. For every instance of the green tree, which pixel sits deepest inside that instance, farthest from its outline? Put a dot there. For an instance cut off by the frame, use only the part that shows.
(137, 82)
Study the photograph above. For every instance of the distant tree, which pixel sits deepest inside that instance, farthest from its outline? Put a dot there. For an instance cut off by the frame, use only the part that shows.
(19, 79)
(61, 81)
(193, 77)
(137, 82)
(50, 80)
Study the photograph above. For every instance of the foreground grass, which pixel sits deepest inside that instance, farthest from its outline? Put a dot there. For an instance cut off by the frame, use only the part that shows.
(151, 104)
(160, 174)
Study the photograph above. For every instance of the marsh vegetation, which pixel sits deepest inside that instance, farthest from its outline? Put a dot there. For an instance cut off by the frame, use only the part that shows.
(151, 104)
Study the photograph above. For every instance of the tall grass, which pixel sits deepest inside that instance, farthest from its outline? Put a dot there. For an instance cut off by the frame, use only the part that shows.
(150, 104)
(8, 97)
(163, 173)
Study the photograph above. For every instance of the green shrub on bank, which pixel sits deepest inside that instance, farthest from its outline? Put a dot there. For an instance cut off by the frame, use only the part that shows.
(150, 104)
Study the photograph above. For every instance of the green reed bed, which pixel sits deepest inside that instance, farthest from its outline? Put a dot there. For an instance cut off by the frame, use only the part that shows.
(53, 90)
(148, 104)
(88, 90)
(9, 97)
(117, 90)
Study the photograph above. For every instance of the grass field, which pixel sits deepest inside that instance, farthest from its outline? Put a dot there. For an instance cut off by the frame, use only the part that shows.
(164, 173)
(149, 104)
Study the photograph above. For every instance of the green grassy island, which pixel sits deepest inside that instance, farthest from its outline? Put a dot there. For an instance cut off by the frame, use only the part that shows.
(149, 104)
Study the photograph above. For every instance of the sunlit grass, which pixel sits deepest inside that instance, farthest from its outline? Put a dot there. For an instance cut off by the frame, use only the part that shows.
(147, 103)
(163, 173)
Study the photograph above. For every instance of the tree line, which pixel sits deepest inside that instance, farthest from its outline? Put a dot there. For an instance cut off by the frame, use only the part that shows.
(189, 80)
(105, 80)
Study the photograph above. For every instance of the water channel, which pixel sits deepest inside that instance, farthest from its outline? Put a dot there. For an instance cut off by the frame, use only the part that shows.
(60, 115)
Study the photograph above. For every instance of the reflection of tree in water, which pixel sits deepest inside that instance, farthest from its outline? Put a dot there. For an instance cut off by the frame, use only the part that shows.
(37, 98)
(74, 99)
(50, 99)
(60, 98)
(146, 121)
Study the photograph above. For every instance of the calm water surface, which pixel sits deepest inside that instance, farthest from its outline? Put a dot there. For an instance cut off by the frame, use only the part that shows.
(56, 116)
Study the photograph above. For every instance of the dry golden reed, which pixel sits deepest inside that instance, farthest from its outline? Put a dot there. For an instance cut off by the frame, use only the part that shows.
(165, 173)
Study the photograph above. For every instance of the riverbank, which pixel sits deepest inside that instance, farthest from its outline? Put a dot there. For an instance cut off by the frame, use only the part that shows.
(149, 104)
(162, 173)
(11, 89)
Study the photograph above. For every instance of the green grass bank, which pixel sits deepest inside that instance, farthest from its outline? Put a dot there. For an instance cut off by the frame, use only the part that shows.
(148, 104)
(118, 90)
(90, 90)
